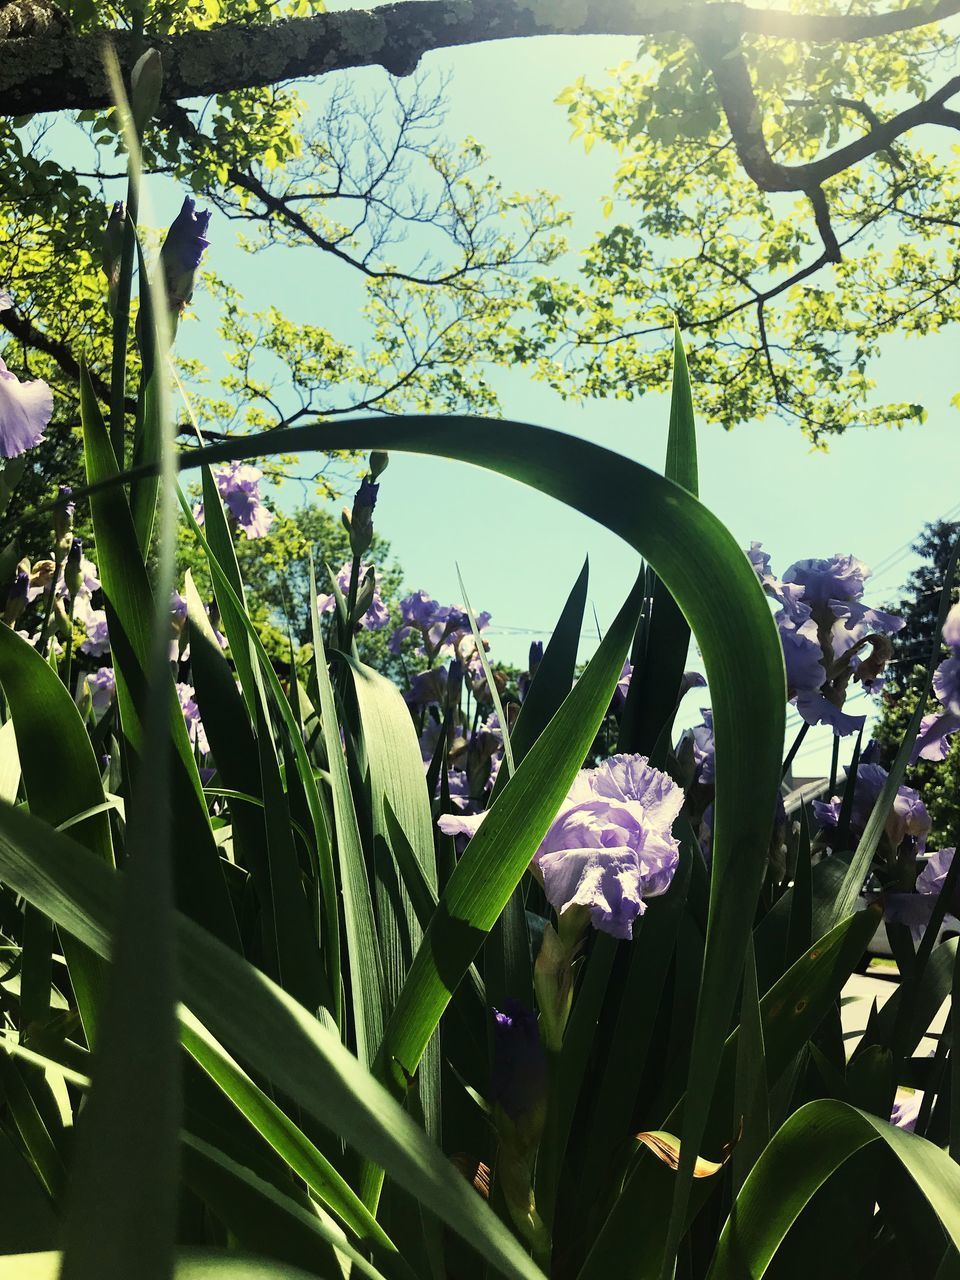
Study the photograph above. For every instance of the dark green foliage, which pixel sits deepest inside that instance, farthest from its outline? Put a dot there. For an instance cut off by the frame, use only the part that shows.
(937, 781)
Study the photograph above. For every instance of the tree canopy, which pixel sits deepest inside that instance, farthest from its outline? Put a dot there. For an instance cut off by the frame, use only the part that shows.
(786, 188)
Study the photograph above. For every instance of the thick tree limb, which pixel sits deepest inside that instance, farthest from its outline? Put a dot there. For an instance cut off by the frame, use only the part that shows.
(65, 72)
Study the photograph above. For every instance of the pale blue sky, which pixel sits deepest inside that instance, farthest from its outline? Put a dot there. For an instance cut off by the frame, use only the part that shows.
(518, 551)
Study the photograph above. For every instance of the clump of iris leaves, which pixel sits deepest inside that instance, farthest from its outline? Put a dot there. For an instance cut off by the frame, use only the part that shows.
(275, 1023)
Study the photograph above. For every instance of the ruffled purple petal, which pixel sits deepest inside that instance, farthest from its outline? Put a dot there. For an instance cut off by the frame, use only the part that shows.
(931, 743)
(25, 410)
(814, 708)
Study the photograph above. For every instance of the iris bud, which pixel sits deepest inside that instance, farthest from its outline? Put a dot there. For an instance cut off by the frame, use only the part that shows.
(361, 519)
(63, 517)
(181, 253)
(16, 598)
(113, 252)
(73, 570)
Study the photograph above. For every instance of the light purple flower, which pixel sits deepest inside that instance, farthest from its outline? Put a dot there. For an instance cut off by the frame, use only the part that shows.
(94, 622)
(419, 609)
(428, 688)
(935, 868)
(802, 655)
(377, 615)
(907, 817)
(191, 716)
(825, 581)
(931, 743)
(906, 1111)
(855, 622)
(239, 486)
(814, 708)
(25, 410)
(101, 685)
(951, 628)
(760, 560)
(461, 824)
(704, 748)
(946, 684)
(612, 846)
(6, 302)
(89, 582)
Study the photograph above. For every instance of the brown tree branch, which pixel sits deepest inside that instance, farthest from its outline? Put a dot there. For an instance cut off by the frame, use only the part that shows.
(65, 71)
(26, 332)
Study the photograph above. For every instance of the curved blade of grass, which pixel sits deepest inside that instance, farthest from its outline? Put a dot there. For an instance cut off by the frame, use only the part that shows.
(790, 1013)
(652, 695)
(488, 677)
(398, 789)
(52, 743)
(815, 1142)
(265, 1027)
(289, 1142)
(651, 954)
(233, 617)
(200, 886)
(711, 580)
(363, 951)
(330, 932)
(554, 677)
(262, 1218)
(123, 1201)
(500, 852)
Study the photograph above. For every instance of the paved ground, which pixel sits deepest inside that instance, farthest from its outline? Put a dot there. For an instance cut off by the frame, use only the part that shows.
(865, 989)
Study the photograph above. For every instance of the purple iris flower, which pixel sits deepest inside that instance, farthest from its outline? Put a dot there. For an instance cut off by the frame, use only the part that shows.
(906, 1111)
(908, 816)
(823, 627)
(428, 688)
(191, 716)
(94, 622)
(25, 410)
(824, 581)
(802, 655)
(623, 686)
(518, 1081)
(611, 846)
(931, 743)
(814, 708)
(239, 487)
(855, 622)
(704, 748)
(419, 609)
(935, 868)
(377, 615)
(181, 253)
(951, 628)
(946, 683)
(101, 685)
